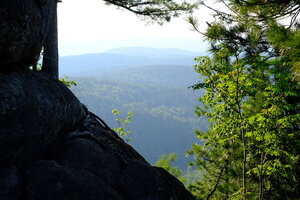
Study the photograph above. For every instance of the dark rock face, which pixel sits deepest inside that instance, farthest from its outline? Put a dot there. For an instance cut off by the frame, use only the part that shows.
(34, 110)
(23, 28)
(52, 148)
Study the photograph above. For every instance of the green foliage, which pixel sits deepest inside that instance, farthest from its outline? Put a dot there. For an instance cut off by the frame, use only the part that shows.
(38, 67)
(67, 82)
(166, 161)
(123, 122)
(187, 177)
(252, 101)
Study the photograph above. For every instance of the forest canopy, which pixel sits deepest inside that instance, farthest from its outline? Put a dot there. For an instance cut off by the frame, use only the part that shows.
(252, 100)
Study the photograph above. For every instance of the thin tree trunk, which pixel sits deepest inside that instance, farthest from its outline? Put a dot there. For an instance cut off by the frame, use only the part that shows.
(50, 56)
(242, 132)
(261, 183)
(244, 167)
(261, 176)
(227, 177)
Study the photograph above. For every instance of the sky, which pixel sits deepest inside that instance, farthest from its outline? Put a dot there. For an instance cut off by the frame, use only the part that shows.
(89, 26)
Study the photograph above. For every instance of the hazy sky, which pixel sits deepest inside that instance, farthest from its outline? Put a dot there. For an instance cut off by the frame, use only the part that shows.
(87, 26)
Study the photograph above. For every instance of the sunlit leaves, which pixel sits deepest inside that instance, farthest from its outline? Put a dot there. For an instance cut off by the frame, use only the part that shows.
(166, 161)
(252, 101)
(251, 104)
(123, 123)
(67, 83)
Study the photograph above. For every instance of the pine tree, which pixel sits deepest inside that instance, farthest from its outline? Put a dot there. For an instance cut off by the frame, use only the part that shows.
(252, 101)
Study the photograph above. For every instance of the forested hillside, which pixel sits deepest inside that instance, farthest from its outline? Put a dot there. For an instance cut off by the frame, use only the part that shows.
(158, 95)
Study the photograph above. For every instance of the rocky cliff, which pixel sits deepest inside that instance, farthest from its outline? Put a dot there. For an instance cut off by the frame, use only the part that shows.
(51, 146)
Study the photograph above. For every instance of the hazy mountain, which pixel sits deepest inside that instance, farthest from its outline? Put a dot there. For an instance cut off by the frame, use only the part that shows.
(152, 83)
(152, 52)
(123, 58)
(79, 47)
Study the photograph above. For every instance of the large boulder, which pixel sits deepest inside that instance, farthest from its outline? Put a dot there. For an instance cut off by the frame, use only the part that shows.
(52, 148)
(95, 164)
(34, 110)
(23, 28)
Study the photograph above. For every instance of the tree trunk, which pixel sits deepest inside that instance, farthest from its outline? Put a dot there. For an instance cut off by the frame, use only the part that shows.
(50, 54)
(261, 176)
(244, 167)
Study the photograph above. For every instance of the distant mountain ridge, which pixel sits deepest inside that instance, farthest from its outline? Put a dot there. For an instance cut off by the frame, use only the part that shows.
(142, 51)
(121, 58)
(79, 47)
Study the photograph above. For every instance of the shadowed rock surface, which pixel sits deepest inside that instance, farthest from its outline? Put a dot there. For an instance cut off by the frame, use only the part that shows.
(34, 110)
(23, 28)
(52, 148)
